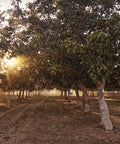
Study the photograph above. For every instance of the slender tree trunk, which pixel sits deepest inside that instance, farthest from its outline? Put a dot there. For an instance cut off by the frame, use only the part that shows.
(92, 93)
(105, 117)
(65, 94)
(69, 96)
(13, 93)
(23, 95)
(26, 94)
(61, 93)
(86, 107)
(77, 95)
(19, 94)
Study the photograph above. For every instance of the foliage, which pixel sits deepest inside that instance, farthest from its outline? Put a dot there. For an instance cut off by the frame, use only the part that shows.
(18, 75)
(75, 39)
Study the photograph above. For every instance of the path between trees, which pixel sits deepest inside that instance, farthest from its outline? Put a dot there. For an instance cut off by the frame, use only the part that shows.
(49, 120)
(17, 120)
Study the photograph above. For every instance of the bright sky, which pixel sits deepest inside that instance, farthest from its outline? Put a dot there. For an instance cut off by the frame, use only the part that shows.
(5, 4)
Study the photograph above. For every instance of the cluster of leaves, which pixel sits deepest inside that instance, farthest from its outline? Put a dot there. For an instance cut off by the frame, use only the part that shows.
(67, 40)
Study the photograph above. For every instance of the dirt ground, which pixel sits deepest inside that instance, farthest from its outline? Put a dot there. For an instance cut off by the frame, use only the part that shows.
(52, 120)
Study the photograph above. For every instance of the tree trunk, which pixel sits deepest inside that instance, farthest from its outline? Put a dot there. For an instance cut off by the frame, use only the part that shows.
(65, 94)
(69, 95)
(26, 94)
(105, 117)
(23, 95)
(61, 93)
(77, 95)
(86, 107)
(13, 94)
(92, 93)
(19, 94)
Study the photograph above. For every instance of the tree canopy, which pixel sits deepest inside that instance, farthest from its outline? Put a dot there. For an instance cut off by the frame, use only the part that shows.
(69, 43)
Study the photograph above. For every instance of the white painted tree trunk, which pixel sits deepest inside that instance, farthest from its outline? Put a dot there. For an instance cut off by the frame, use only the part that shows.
(86, 102)
(105, 117)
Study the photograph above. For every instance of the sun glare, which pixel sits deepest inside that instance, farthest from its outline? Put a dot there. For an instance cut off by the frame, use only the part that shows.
(12, 62)
(9, 62)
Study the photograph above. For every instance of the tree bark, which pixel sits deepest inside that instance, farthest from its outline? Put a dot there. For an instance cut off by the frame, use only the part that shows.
(26, 94)
(19, 94)
(86, 107)
(13, 94)
(23, 94)
(69, 95)
(61, 93)
(105, 117)
(77, 95)
(92, 93)
(65, 94)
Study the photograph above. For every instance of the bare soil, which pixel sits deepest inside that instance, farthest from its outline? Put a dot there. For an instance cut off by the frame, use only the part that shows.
(52, 120)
